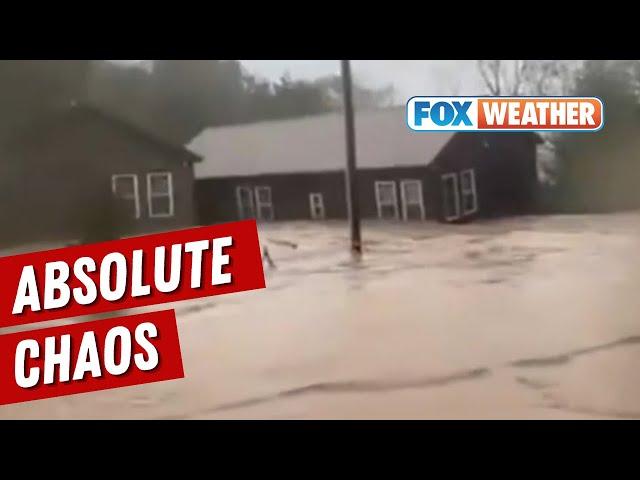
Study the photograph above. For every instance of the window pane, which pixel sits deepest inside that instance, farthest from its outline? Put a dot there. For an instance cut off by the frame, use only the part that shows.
(386, 193)
(450, 193)
(263, 194)
(245, 203)
(124, 187)
(245, 196)
(388, 211)
(465, 179)
(412, 192)
(160, 206)
(159, 184)
(265, 212)
(468, 202)
(414, 212)
(316, 199)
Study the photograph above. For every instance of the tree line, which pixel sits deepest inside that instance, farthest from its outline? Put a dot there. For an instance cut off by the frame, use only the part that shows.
(589, 172)
(177, 99)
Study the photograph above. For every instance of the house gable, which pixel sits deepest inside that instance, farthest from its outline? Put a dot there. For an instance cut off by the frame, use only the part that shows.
(81, 120)
(63, 170)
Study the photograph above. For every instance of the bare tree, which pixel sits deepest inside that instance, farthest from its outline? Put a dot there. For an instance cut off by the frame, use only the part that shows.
(492, 74)
(532, 77)
(527, 77)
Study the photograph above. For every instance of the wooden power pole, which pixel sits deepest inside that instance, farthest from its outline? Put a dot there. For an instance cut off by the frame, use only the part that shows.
(351, 176)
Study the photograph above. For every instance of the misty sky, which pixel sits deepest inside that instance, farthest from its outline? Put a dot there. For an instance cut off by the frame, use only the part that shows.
(410, 77)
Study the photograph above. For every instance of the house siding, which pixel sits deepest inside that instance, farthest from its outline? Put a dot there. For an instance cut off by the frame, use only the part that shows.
(504, 167)
(216, 197)
(505, 171)
(368, 178)
(61, 179)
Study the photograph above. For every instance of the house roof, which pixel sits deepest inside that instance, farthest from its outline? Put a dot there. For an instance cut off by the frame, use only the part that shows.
(313, 144)
(56, 117)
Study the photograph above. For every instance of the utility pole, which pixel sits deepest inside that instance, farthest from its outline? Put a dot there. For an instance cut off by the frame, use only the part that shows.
(351, 172)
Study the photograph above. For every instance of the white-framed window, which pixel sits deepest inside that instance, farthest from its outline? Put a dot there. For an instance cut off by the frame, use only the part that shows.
(468, 192)
(124, 187)
(450, 197)
(160, 194)
(412, 200)
(264, 204)
(386, 199)
(244, 199)
(316, 203)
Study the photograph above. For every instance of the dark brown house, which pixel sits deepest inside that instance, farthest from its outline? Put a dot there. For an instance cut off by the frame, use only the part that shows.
(294, 169)
(80, 174)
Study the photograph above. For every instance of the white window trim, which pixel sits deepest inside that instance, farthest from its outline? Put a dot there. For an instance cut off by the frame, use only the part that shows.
(136, 190)
(403, 197)
(456, 195)
(377, 185)
(241, 209)
(471, 190)
(151, 195)
(259, 204)
(319, 204)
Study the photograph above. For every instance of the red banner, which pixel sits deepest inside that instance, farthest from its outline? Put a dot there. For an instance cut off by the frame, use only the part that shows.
(129, 273)
(89, 356)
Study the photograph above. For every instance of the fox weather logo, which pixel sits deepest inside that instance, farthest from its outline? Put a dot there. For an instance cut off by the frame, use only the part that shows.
(505, 114)
(455, 113)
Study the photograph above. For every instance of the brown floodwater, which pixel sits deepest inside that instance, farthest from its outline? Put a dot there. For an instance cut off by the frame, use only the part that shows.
(531, 317)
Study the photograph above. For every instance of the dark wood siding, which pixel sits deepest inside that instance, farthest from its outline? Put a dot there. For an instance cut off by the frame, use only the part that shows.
(367, 179)
(61, 180)
(216, 197)
(505, 171)
(504, 166)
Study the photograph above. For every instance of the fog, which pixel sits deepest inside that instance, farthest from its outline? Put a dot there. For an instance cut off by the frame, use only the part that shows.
(409, 77)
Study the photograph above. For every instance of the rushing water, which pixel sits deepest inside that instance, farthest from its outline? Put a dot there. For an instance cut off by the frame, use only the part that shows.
(532, 317)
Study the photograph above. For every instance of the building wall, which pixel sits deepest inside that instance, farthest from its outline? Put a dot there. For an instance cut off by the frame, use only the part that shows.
(463, 152)
(60, 182)
(368, 178)
(216, 197)
(504, 166)
(505, 171)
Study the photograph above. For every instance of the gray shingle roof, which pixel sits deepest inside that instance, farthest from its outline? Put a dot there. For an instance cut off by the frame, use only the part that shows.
(313, 144)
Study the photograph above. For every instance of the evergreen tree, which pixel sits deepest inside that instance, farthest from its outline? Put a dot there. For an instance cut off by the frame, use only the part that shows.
(30, 88)
(178, 99)
(600, 171)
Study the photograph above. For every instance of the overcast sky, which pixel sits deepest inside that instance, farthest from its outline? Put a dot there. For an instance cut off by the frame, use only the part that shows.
(410, 77)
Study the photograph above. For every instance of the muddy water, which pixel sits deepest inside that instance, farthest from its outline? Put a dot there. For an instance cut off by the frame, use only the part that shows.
(535, 317)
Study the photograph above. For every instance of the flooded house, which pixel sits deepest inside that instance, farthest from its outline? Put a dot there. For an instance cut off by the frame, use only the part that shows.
(294, 170)
(80, 174)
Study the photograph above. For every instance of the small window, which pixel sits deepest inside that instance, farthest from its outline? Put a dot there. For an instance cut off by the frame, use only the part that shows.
(386, 199)
(468, 192)
(264, 204)
(316, 202)
(412, 202)
(244, 199)
(125, 188)
(160, 194)
(450, 197)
